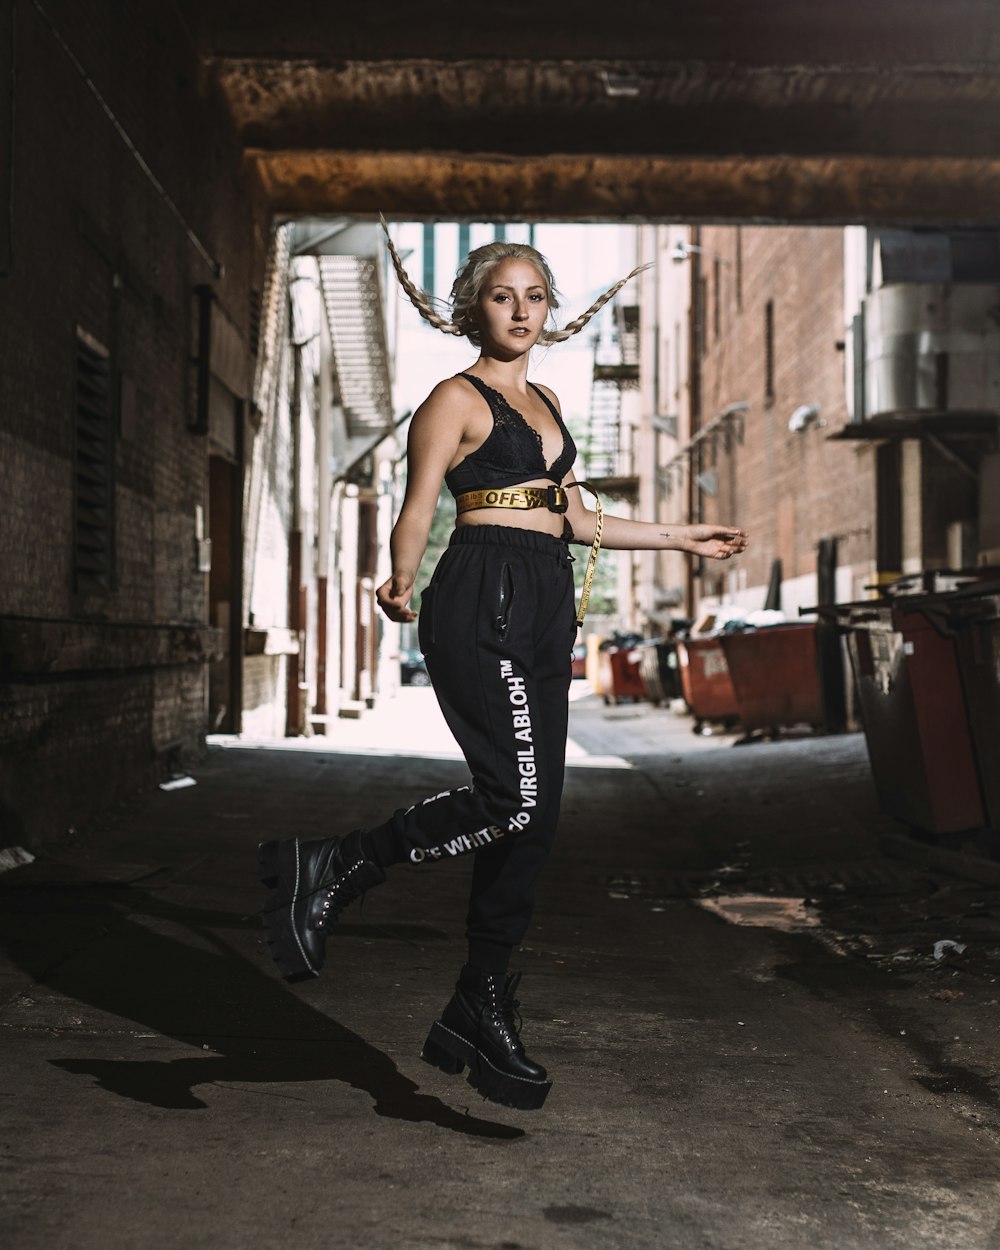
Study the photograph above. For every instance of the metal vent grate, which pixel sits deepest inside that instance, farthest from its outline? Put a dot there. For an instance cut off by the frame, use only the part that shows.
(93, 470)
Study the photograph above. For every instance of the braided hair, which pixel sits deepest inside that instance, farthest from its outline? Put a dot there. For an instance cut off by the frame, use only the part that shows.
(471, 280)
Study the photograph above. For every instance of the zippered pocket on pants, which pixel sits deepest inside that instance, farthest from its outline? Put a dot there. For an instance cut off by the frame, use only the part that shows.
(425, 619)
(505, 600)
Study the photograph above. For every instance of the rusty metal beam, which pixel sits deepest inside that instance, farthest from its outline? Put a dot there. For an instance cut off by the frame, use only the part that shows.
(669, 108)
(863, 110)
(822, 190)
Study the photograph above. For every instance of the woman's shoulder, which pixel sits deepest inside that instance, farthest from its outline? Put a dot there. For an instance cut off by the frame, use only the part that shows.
(450, 391)
(451, 400)
(549, 394)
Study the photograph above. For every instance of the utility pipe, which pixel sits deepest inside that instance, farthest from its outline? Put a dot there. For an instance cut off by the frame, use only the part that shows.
(324, 453)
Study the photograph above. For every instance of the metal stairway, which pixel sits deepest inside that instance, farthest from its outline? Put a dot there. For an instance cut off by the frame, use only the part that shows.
(616, 369)
(352, 293)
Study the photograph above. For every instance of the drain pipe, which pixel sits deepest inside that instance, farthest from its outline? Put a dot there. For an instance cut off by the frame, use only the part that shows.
(293, 718)
(694, 408)
(324, 452)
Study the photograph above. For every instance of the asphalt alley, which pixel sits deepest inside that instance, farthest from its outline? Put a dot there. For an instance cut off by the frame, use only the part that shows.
(736, 992)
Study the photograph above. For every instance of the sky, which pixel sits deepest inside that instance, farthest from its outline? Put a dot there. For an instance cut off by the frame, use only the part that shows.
(585, 259)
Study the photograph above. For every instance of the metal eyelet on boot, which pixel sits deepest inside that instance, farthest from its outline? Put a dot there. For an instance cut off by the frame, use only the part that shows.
(345, 878)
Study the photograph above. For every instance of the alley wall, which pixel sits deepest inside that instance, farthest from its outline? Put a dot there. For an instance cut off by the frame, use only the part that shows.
(104, 633)
(769, 333)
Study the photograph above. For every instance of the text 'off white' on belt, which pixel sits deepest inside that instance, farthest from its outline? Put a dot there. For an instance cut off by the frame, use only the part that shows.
(555, 499)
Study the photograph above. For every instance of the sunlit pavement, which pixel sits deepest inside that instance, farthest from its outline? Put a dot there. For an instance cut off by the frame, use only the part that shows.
(752, 1042)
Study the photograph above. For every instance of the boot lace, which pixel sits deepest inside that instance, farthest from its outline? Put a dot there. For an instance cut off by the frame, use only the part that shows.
(503, 1011)
(335, 902)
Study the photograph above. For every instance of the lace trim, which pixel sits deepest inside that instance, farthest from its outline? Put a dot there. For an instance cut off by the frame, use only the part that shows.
(505, 410)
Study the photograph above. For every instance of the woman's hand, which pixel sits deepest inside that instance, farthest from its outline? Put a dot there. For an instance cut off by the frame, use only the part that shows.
(715, 542)
(394, 595)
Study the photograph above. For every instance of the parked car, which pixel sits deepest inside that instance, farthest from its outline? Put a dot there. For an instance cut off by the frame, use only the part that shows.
(412, 669)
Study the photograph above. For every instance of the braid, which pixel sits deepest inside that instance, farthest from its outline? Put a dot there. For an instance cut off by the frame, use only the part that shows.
(421, 301)
(469, 283)
(577, 324)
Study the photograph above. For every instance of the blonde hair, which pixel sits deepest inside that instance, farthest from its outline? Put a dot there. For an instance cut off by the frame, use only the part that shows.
(472, 278)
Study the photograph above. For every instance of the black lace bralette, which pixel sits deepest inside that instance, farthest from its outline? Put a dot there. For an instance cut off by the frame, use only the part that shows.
(513, 452)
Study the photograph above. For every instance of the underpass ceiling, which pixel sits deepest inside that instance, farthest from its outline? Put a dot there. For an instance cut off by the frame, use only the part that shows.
(789, 111)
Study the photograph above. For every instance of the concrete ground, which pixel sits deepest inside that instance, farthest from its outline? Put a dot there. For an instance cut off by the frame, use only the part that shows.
(753, 1044)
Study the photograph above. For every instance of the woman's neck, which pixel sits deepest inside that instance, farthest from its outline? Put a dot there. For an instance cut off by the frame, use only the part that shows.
(505, 375)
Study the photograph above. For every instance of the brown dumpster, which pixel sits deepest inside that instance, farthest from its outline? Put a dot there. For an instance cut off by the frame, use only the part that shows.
(914, 715)
(775, 675)
(708, 688)
(976, 623)
(618, 675)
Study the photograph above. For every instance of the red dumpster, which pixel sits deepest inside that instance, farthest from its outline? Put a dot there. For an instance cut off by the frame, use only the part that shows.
(914, 715)
(775, 675)
(626, 679)
(975, 620)
(705, 680)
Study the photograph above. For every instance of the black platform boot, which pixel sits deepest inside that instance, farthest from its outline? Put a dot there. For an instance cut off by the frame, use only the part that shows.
(312, 882)
(478, 1030)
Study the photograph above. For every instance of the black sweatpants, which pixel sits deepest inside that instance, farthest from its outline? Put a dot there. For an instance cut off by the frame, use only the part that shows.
(497, 627)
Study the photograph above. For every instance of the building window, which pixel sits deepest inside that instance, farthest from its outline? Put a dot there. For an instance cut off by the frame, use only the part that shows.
(93, 470)
(701, 317)
(464, 243)
(739, 268)
(769, 352)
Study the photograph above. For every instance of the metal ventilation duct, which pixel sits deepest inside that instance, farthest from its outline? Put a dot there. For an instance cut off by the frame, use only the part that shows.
(933, 347)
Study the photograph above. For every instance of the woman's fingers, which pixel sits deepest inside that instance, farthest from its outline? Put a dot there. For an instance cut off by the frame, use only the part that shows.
(720, 543)
(393, 596)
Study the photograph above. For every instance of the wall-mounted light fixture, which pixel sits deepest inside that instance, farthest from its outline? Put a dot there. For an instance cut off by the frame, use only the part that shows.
(803, 417)
(682, 251)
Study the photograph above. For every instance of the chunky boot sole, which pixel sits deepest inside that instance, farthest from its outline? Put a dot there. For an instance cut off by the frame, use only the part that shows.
(451, 1053)
(286, 948)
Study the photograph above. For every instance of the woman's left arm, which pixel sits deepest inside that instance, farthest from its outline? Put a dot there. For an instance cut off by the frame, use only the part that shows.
(713, 542)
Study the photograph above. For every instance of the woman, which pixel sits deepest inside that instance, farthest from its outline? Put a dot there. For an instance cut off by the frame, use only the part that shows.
(497, 627)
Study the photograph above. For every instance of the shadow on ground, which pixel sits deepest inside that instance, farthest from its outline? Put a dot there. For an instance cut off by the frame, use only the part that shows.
(136, 956)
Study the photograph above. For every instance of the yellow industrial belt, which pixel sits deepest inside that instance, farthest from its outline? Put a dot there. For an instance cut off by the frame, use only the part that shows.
(555, 499)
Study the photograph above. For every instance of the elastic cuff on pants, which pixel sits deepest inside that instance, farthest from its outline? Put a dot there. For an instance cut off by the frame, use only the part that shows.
(490, 957)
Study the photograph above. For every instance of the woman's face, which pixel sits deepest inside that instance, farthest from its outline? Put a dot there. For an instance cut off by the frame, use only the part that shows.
(512, 307)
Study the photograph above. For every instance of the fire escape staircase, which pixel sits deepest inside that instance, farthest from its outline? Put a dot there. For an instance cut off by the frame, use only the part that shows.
(355, 309)
(609, 461)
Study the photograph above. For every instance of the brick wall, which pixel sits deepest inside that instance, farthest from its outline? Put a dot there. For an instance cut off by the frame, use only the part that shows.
(96, 246)
(789, 489)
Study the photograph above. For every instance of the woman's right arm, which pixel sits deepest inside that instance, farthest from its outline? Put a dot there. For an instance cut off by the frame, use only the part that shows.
(433, 442)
